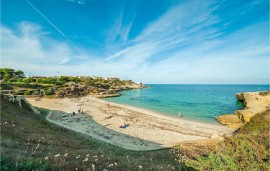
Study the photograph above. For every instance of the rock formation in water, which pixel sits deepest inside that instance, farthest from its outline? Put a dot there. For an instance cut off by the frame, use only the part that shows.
(255, 102)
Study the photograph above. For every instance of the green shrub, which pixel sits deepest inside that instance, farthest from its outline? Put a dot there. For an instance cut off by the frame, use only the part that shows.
(59, 82)
(8, 163)
(49, 91)
(28, 92)
(36, 92)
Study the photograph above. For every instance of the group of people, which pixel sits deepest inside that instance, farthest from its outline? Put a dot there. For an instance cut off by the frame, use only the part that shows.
(79, 111)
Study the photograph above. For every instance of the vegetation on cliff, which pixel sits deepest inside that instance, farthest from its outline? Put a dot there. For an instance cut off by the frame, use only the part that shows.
(63, 86)
(248, 149)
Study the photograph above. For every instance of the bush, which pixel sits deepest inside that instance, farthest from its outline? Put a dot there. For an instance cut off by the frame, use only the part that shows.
(36, 92)
(59, 82)
(28, 92)
(50, 91)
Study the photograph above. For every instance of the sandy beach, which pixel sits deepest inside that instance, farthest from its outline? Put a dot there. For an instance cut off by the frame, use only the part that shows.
(147, 130)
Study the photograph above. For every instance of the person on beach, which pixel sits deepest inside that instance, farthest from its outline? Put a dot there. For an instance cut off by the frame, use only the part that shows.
(124, 126)
(79, 110)
(108, 104)
(180, 115)
(73, 113)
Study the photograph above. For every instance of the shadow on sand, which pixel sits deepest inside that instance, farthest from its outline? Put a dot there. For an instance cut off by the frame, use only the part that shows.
(85, 124)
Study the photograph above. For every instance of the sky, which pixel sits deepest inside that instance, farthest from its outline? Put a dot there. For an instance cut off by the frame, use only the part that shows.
(153, 41)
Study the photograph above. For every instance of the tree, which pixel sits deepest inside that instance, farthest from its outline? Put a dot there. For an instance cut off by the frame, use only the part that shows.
(19, 74)
(7, 73)
(11, 75)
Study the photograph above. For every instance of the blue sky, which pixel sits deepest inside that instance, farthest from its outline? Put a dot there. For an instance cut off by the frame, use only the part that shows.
(153, 41)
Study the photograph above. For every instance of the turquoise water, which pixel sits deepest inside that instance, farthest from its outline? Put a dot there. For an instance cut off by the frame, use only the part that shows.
(195, 102)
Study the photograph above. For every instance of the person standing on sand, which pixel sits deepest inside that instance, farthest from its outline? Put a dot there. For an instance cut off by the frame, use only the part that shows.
(79, 110)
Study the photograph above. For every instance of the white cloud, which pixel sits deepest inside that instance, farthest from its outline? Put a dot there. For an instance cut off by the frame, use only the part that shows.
(182, 46)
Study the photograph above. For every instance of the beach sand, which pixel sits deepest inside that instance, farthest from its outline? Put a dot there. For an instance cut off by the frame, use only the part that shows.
(147, 130)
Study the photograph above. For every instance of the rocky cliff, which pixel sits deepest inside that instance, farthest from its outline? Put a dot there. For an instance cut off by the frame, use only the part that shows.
(255, 103)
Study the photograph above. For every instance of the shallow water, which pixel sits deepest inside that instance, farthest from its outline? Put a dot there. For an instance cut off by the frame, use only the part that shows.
(195, 102)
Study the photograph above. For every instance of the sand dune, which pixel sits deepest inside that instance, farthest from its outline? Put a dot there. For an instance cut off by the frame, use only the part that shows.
(147, 130)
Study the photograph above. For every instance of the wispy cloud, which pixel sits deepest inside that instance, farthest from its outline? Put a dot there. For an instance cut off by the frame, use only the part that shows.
(186, 24)
(119, 29)
(184, 45)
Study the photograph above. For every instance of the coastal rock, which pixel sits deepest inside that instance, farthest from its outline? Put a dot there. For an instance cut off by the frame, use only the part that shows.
(230, 120)
(240, 96)
(244, 115)
(255, 102)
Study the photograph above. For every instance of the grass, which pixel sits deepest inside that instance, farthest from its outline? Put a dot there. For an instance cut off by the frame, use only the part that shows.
(247, 150)
(29, 142)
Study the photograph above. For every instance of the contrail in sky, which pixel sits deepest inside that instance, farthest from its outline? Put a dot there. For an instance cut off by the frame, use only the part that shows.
(54, 26)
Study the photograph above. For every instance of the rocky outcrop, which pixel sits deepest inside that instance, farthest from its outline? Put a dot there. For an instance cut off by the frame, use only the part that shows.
(231, 120)
(101, 91)
(255, 102)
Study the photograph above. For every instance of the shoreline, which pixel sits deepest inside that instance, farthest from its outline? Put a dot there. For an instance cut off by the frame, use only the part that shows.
(147, 130)
(158, 113)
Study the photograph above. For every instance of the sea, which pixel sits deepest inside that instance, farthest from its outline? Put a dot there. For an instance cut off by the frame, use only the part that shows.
(195, 102)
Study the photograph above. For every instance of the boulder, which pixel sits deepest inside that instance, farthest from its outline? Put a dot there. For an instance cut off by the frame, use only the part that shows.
(230, 120)
(244, 115)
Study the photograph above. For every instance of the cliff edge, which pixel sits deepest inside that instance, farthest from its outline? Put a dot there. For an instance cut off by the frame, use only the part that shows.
(255, 103)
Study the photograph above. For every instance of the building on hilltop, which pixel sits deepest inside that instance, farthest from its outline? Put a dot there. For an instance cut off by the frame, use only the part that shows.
(113, 78)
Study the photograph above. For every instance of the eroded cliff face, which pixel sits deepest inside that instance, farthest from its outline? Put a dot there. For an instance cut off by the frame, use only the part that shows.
(255, 102)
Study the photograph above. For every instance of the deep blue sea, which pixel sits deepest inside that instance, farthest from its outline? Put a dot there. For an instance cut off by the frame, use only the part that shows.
(195, 102)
